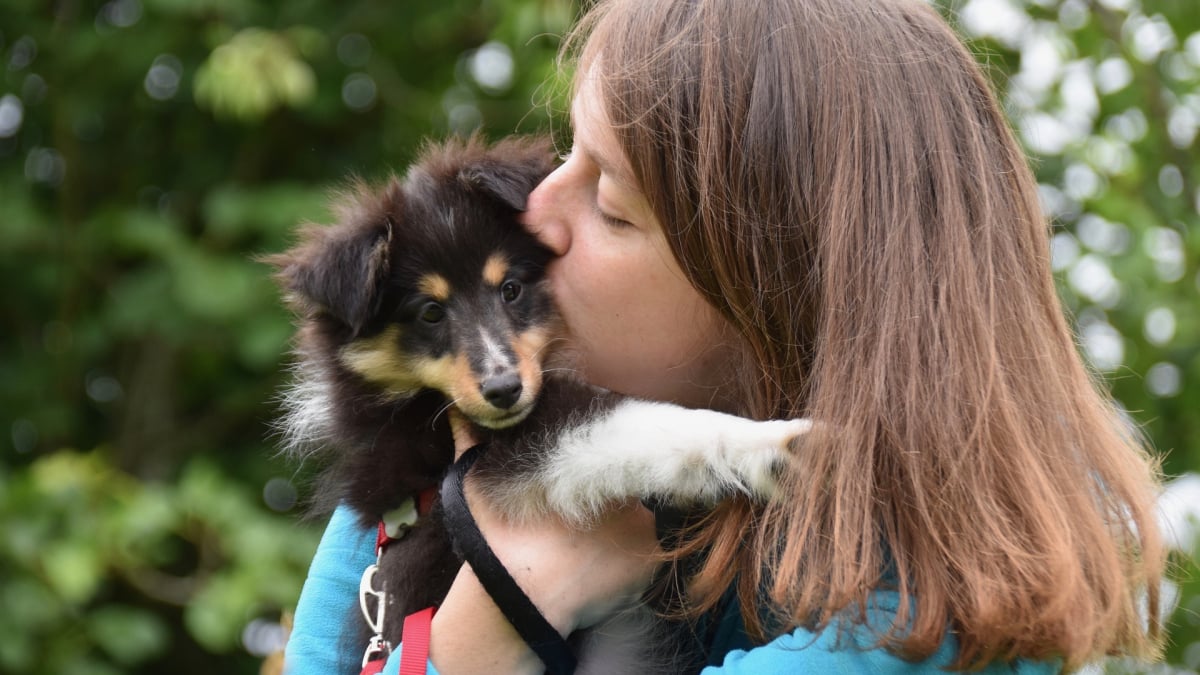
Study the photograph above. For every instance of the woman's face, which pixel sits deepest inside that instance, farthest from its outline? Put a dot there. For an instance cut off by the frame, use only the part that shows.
(637, 324)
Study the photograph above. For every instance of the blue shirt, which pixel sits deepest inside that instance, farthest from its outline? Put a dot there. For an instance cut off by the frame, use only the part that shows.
(322, 643)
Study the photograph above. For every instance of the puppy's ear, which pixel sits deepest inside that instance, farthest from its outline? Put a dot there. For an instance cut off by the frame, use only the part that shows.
(338, 271)
(510, 171)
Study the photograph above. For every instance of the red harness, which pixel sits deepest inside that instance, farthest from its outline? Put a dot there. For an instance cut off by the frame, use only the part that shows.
(416, 625)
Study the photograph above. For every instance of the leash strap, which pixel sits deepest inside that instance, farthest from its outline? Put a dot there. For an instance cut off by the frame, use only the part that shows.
(520, 611)
(669, 521)
(415, 654)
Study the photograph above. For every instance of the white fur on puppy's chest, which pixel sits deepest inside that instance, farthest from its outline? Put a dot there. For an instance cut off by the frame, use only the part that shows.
(641, 449)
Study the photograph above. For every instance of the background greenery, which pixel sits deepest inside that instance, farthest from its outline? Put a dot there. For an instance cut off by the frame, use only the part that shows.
(149, 149)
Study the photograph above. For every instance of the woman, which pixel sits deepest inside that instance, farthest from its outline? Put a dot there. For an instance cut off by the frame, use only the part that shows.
(814, 208)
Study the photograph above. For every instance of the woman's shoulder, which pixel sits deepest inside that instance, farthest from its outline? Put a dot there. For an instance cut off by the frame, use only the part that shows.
(846, 647)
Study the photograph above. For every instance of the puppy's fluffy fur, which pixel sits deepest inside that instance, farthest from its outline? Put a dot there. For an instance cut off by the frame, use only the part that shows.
(427, 293)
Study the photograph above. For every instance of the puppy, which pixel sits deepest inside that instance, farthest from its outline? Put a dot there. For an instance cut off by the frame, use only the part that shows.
(427, 293)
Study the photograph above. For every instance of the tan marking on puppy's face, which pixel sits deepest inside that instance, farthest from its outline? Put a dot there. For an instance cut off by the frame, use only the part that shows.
(443, 374)
(495, 269)
(378, 360)
(530, 347)
(435, 286)
(451, 375)
(465, 387)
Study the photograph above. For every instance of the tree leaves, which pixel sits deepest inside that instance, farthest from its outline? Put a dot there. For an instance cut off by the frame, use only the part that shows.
(256, 72)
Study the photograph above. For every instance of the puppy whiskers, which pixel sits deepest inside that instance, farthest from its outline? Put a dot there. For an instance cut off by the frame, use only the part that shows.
(547, 345)
(441, 411)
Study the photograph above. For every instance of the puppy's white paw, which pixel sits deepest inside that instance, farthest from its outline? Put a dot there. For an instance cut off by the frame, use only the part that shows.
(757, 453)
(644, 449)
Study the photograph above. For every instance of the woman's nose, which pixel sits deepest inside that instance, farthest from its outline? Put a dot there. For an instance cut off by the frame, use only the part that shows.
(545, 213)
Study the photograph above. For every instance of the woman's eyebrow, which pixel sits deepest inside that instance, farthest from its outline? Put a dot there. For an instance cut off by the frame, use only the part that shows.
(609, 166)
(616, 171)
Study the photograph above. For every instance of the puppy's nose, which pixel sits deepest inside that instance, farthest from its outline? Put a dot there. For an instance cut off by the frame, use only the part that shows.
(502, 390)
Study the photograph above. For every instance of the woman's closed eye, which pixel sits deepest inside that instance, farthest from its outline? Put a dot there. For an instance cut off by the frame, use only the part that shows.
(611, 220)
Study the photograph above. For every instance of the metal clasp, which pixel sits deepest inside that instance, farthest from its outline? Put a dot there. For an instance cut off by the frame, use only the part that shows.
(366, 590)
(377, 648)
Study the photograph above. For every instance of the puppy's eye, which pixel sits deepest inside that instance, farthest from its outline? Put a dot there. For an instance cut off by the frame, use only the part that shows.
(510, 291)
(432, 313)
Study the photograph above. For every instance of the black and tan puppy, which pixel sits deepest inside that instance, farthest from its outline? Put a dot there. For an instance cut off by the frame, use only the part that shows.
(427, 293)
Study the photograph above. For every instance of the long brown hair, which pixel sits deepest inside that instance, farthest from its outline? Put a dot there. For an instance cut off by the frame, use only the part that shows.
(837, 178)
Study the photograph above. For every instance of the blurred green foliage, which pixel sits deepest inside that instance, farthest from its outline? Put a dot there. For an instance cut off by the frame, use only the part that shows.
(89, 554)
(150, 149)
